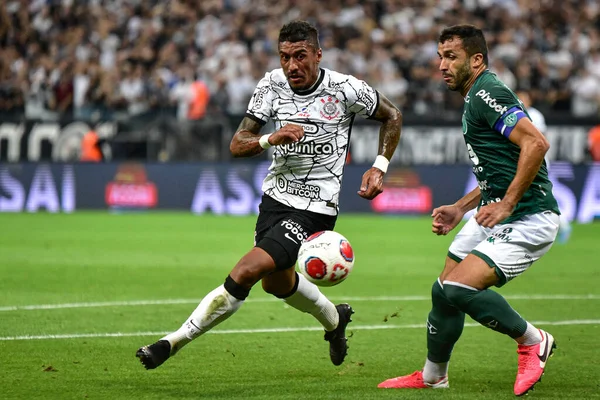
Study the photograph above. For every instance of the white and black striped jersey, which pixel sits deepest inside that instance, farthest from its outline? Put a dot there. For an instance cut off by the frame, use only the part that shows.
(307, 175)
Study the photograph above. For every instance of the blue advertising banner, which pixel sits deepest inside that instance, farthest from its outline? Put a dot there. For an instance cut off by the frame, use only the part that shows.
(235, 188)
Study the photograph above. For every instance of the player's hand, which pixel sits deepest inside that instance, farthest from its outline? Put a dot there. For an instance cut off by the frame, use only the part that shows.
(291, 133)
(490, 215)
(372, 183)
(445, 218)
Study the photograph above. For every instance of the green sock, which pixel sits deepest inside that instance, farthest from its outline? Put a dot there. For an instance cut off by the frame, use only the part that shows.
(444, 326)
(488, 308)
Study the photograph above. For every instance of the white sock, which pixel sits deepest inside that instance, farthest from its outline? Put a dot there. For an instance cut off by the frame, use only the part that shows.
(310, 300)
(531, 336)
(433, 372)
(214, 308)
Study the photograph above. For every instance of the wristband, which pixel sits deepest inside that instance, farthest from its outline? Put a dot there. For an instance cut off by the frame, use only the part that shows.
(381, 163)
(264, 141)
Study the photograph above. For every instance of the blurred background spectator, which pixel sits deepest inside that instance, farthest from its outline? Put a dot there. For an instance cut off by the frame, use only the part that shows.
(105, 59)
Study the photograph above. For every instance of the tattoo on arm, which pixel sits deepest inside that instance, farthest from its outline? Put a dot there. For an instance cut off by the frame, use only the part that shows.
(245, 141)
(389, 133)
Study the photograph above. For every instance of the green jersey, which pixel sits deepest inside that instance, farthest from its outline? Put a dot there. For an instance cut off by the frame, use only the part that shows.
(490, 113)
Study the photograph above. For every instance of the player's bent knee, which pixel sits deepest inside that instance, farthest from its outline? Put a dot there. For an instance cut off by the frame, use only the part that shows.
(474, 272)
(459, 296)
(281, 284)
(437, 293)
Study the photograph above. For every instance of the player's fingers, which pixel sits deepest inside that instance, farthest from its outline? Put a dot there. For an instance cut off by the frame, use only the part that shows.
(375, 188)
(440, 232)
(480, 216)
(368, 194)
(364, 185)
(487, 221)
(438, 218)
(293, 136)
(438, 212)
(362, 194)
(371, 192)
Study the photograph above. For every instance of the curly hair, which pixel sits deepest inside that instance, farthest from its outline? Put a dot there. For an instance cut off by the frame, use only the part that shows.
(298, 31)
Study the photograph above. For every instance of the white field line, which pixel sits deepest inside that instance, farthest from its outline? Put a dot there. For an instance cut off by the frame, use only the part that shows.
(269, 330)
(273, 300)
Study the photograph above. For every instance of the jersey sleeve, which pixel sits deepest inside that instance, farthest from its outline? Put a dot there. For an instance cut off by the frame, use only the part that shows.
(260, 107)
(499, 108)
(361, 98)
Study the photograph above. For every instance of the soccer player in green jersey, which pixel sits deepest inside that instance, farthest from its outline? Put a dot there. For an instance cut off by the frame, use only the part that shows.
(516, 221)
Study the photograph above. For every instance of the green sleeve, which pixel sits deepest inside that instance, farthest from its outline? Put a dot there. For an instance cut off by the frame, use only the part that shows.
(493, 101)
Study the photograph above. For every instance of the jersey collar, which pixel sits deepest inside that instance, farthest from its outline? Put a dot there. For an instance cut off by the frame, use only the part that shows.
(468, 96)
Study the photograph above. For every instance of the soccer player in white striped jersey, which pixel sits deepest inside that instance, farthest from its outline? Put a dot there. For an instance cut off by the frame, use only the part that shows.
(313, 109)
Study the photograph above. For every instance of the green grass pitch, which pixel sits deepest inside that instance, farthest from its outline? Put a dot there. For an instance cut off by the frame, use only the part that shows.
(80, 293)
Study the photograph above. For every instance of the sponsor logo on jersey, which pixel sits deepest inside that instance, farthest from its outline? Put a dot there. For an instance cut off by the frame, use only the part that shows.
(259, 96)
(304, 113)
(298, 188)
(491, 102)
(363, 96)
(308, 128)
(330, 110)
(307, 147)
(483, 185)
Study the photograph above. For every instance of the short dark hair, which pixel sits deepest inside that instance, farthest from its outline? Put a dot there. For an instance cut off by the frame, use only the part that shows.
(298, 31)
(472, 39)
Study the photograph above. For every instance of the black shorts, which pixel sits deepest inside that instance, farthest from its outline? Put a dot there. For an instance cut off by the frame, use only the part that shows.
(280, 230)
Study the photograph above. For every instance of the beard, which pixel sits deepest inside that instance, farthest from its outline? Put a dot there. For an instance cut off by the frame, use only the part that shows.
(463, 74)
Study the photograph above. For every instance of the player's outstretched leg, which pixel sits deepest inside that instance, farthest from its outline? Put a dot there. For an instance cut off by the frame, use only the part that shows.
(491, 310)
(532, 362)
(444, 326)
(214, 308)
(307, 298)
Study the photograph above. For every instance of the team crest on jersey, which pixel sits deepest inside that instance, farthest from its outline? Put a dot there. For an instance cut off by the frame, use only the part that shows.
(510, 120)
(330, 109)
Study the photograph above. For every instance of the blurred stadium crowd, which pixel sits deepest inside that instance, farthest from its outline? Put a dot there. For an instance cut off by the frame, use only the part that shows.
(104, 58)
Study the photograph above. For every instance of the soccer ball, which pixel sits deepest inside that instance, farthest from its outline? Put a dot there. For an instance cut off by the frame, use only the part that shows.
(326, 258)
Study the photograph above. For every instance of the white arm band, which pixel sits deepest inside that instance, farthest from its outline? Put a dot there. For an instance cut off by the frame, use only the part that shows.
(264, 141)
(381, 163)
